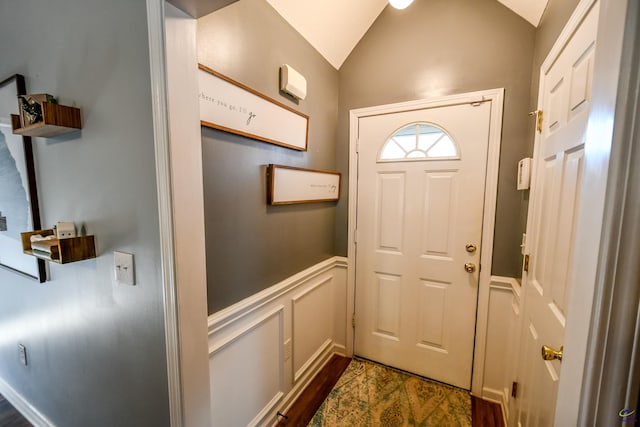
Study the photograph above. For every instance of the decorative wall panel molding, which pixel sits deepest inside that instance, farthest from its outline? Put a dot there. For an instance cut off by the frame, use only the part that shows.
(502, 341)
(264, 350)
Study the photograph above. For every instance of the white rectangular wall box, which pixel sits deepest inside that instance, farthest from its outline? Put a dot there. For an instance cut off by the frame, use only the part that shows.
(292, 82)
(123, 268)
(524, 173)
(64, 230)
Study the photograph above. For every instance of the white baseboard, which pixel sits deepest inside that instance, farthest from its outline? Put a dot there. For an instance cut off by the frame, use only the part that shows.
(27, 410)
(264, 350)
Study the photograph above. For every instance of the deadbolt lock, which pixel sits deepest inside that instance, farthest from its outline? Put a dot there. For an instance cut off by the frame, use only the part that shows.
(550, 354)
(470, 267)
(471, 248)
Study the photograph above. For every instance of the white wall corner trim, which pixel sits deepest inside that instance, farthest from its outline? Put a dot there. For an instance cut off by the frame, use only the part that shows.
(34, 416)
(155, 19)
(496, 97)
(264, 350)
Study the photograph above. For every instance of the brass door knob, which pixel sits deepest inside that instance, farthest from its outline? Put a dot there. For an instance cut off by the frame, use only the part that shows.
(470, 267)
(550, 354)
(471, 248)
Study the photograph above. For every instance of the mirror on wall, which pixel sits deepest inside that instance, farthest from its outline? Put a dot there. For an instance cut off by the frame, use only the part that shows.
(18, 193)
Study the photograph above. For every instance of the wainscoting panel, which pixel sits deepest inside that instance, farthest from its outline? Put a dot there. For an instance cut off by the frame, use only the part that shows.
(312, 324)
(264, 350)
(501, 352)
(252, 357)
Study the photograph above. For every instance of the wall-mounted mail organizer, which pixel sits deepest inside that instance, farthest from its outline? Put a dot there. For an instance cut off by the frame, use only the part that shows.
(45, 245)
(42, 116)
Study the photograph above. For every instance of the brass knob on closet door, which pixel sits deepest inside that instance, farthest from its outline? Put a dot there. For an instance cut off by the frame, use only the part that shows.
(550, 354)
(470, 267)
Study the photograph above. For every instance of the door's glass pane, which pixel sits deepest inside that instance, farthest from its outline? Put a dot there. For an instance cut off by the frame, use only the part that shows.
(419, 141)
(416, 154)
(407, 142)
(443, 148)
(391, 150)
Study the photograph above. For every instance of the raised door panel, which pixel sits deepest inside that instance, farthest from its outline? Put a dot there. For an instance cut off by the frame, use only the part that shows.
(439, 215)
(432, 333)
(390, 207)
(388, 290)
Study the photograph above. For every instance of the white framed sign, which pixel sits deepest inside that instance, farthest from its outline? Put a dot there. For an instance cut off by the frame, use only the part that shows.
(287, 185)
(230, 106)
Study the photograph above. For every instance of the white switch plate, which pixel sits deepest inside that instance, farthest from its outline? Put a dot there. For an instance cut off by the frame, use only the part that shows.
(22, 354)
(123, 268)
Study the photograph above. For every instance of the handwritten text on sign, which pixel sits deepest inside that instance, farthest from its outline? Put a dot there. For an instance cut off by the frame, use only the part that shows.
(231, 107)
(295, 185)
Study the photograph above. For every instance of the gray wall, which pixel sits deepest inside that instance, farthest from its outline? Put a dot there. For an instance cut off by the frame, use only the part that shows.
(96, 348)
(441, 47)
(251, 246)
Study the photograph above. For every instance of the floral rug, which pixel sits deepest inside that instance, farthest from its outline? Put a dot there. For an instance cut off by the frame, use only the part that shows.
(373, 395)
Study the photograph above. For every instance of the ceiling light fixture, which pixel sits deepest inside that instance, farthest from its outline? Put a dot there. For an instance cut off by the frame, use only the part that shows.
(400, 4)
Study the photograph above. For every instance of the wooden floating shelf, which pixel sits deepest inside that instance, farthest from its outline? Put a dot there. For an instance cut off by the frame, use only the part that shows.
(57, 120)
(63, 251)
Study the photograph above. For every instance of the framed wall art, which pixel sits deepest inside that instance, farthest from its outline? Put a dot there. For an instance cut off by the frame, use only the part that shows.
(19, 197)
(230, 106)
(288, 185)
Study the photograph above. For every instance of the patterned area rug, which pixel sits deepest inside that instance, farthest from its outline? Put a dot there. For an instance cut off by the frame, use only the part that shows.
(369, 394)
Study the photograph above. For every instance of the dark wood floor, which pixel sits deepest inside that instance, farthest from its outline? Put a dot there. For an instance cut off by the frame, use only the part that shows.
(483, 413)
(9, 417)
(312, 397)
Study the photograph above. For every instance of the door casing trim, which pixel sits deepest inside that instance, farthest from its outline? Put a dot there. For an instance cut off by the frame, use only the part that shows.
(496, 97)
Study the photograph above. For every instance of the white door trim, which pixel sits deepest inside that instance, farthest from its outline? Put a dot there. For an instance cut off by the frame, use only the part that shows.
(155, 19)
(496, 96)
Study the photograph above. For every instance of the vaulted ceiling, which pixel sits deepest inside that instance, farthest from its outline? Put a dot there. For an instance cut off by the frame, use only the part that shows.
(334, 27)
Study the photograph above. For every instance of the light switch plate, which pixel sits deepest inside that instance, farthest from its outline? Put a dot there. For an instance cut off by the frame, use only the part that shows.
(22, 354)
(123, 268)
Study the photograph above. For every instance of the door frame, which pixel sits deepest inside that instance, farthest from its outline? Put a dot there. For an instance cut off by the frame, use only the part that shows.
(496, 96)
(182, 267)
(612, 369)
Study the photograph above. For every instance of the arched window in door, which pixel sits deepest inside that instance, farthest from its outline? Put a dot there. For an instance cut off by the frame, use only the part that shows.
(419, 141)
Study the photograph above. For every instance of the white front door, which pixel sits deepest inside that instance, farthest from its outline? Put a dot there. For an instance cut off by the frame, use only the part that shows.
(554, 209)
(421, 182)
